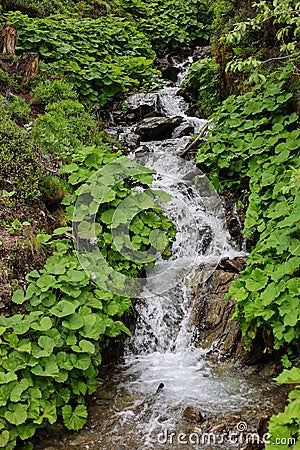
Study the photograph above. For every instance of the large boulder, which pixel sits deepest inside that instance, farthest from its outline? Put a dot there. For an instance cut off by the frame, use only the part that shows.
(157, 128)
(141, 105)
(130, 140)
(211, 315)
(185, 129)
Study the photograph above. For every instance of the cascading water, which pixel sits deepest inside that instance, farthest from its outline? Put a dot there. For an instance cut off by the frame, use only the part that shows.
(162, 372)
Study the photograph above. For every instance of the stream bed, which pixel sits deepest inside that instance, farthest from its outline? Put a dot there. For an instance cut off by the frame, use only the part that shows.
(166, 392)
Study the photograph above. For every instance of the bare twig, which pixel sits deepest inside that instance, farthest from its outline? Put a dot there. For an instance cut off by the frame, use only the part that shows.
(192, 144)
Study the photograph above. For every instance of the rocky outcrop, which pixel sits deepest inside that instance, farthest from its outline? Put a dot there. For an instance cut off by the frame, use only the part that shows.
(130, 140)
(157, 128)
(141, 105)
(185, 129)
(212, 315)
(168, 70)
(201, 52)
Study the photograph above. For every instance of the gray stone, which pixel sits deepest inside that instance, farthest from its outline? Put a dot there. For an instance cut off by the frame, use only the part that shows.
(185, 129)
(140, 105)
(212, 315)
(157, 128)
(192, 414)
(201, 53)
(170, 72)
(131, 140)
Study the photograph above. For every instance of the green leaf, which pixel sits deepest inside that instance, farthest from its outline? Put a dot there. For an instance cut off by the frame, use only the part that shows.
(19, 297)
(22, 327)
(50, 368)
(64, 308)
(44, 348)
(43, 325)
(74, 322)
(112, 308)
(87, 346)
(74, 419)
(24, 346)
(4, 438)
(83, 362)
(17, 389)
(43, 238)
(17, 414)
(26, 431)
(46, 282)
(290, 376)
(158, 239)
(76, 275)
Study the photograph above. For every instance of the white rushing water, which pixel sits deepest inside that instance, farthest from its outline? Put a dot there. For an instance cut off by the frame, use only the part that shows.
(143, 399)
(163, 371)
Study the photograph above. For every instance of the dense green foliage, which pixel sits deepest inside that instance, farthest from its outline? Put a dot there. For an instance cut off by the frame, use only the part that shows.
(286, 426)
(43, 8)
(201, 85)
(64, 127)
(255, 143)
(19, 170)
(51, 91)
(51, 353)
(170, 24)
(103, 58)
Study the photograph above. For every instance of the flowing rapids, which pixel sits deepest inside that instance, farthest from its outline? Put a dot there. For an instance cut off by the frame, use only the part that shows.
(143, 398)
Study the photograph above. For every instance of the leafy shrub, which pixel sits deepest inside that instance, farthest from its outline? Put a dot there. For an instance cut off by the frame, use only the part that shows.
(255, 145)
(103, 58)
(286, 426)
(7, 82)
(18, 109)
(64, 127)
(171, 24)
(275, 27)
(43, 8)
(53, 91)
(201, 84)
(52, 352)
(19, 168)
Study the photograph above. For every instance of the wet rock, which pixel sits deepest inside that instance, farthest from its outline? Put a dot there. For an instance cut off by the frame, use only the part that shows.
(192, 414)
(235, 228)
(201, 53)
(140, 105)
(235, 265)
(160, 387)
(205, 238)
(142, 150)
(157, 128)
(212, 315)
(104, 394)
(170, 72)
(185, 129)
(131, 140)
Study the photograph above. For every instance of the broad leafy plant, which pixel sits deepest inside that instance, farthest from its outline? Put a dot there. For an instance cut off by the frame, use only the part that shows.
(254, 146)
(285, 427)
(103, 58)
(51, 351)
(170, 24)
(201, 85)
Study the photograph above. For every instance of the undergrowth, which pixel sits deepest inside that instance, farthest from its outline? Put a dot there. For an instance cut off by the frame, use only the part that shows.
(103, 58)
(51, 352)
(254, 146)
